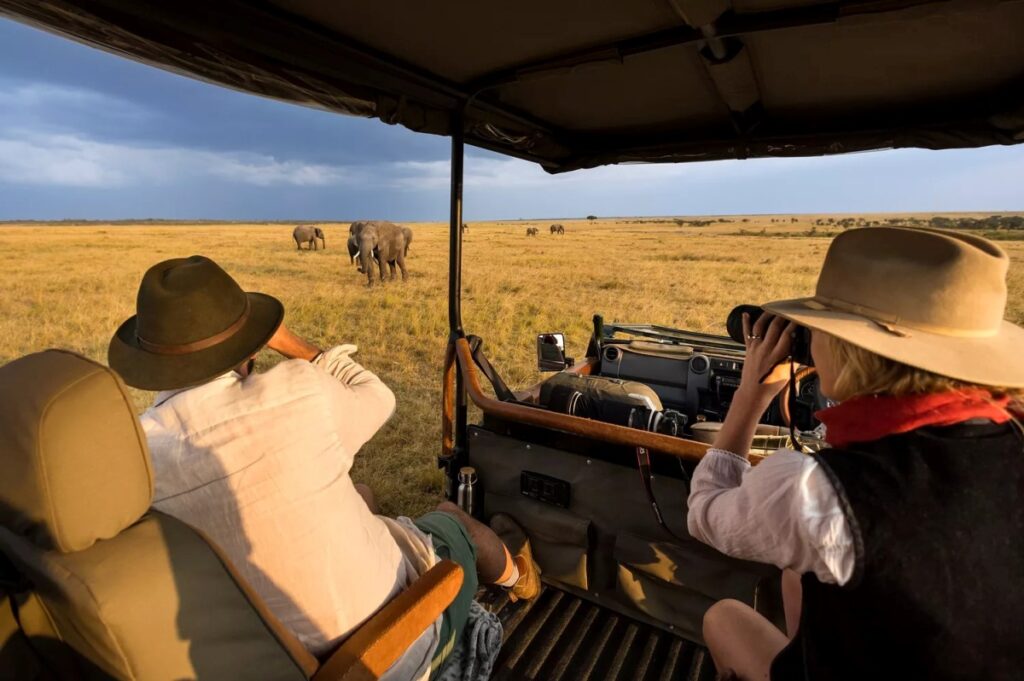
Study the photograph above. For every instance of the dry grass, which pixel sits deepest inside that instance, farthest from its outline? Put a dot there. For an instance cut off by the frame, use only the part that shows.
(71, 286)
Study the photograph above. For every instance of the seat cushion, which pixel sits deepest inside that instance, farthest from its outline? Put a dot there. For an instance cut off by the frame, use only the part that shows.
(153, 603)
(75, 464)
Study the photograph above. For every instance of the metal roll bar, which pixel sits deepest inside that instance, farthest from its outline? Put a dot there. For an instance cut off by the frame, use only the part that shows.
(454, 420)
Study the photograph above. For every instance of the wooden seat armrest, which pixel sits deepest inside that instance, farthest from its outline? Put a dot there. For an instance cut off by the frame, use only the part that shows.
(383, 638)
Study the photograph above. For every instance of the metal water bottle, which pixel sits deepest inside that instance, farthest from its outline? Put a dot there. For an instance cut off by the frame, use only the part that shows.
(467, 488)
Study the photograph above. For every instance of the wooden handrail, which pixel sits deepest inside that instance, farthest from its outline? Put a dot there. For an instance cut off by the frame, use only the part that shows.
(382, 639)
(448, 402)
(598, 430)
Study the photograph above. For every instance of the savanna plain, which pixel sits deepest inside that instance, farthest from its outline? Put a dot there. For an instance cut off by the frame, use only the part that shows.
(71, 286)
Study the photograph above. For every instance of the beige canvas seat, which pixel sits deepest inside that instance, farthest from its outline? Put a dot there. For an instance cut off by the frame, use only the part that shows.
(114, 590)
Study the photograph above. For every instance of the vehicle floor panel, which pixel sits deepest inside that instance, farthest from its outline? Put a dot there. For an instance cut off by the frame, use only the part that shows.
(561, 637)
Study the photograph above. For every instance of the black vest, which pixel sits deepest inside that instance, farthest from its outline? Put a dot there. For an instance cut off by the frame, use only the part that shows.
(937, 517)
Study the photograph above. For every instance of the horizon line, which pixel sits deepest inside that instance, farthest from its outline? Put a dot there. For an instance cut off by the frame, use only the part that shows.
(173, 221)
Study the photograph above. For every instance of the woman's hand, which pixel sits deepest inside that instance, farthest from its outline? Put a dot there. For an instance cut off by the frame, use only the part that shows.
(765, 369)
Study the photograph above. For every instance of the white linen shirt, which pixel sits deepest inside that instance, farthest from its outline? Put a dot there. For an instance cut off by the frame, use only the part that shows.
(784, 511)
(261, 465)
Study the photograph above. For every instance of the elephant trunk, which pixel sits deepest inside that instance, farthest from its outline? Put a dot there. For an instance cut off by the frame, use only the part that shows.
(353, 249)
(366, 260)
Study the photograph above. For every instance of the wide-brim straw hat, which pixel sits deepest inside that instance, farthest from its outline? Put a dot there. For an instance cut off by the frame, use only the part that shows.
(193, 323)
(931, 299)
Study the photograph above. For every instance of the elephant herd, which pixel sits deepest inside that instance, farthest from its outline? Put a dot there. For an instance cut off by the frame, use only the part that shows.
(555, 229)
(369, 242)
(378, 243)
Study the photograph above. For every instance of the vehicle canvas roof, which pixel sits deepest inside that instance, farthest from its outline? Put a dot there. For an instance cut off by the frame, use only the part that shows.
(580, 83)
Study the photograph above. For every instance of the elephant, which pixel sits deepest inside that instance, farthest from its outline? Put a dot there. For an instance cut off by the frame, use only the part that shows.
(557, 229)
(353, 252)
(407, 231)
(308, 234)
(382, 241)
(531, 231)
(353, 245)
(465, 228)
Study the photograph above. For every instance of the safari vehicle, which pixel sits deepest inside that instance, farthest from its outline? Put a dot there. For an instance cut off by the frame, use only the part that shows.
(572, 85)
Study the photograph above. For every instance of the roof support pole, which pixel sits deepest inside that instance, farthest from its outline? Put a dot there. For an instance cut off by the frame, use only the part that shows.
(454, 451)
(455, 228)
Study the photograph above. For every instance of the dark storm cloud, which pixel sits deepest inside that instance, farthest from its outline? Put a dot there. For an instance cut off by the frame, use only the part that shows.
(140, 103)
(85, 134)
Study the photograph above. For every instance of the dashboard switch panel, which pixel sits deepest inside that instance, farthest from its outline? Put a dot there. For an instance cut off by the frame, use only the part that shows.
(545, 488)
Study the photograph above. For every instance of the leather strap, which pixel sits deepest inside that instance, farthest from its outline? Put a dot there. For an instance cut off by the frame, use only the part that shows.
(643, 462)
(501, 389)
(201, 344)
(12, 581)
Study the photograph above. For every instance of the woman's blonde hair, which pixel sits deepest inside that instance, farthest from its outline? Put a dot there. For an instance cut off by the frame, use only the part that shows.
(862, 372)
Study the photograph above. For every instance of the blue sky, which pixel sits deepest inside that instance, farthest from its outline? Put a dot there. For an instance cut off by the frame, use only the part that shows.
(84, 134)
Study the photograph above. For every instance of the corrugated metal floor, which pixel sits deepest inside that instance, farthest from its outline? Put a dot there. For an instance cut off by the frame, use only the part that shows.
(560, 637)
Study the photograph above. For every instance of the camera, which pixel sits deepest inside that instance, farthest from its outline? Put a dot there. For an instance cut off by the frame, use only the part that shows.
(800, 350)
(624, 403)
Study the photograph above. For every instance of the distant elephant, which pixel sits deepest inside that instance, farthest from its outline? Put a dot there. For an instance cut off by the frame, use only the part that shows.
(382, 241)
(465, 228)
(557, 229)
(308, 234)
(532, 231)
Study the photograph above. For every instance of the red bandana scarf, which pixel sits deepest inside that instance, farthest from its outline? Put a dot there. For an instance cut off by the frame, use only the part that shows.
(872, 417)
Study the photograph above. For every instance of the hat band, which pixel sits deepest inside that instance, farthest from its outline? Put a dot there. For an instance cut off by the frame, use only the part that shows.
(898, 324)
(196, 346)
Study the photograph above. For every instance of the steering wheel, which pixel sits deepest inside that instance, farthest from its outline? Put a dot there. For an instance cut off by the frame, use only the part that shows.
(808, 400)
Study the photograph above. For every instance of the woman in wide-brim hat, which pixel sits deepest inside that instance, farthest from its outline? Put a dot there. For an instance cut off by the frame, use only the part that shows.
(906, 534)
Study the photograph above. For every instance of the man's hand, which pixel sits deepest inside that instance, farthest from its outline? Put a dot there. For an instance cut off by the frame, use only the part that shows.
(292, 346)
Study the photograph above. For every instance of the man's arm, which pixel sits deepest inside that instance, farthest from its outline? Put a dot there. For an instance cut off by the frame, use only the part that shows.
(292, 346)
(360, 403)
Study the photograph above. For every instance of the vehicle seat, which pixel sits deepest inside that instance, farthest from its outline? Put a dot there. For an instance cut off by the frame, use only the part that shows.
(128, 593)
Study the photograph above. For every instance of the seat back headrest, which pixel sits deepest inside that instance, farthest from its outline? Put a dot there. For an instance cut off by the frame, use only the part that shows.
(74, 462)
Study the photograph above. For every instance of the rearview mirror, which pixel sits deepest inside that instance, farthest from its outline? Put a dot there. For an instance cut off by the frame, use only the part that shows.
(551, 352)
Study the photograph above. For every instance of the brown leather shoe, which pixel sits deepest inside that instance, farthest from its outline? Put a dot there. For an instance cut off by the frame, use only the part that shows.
(528, 587)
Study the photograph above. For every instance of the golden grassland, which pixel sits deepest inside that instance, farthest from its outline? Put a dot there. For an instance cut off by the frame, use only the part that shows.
(70, 287)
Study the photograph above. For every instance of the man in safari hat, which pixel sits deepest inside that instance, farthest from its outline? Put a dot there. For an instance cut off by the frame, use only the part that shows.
(260, 462)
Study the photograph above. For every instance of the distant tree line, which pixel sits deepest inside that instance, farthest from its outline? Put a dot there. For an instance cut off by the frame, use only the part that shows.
(680, 222)
(990, 223)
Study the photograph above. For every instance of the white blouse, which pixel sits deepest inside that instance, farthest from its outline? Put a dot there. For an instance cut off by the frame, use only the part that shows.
(783, 511)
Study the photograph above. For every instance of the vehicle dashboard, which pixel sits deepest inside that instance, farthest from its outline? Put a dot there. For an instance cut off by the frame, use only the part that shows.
(693, 374)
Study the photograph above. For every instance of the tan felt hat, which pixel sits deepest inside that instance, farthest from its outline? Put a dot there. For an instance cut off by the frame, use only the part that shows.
(932, 299)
